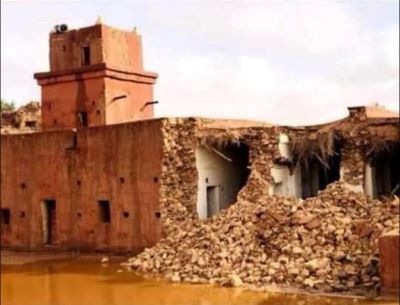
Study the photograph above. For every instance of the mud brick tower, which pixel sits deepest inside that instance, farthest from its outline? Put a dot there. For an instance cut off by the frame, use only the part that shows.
(96, 78)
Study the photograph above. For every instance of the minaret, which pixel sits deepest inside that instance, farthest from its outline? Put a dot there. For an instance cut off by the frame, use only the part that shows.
(96, 78)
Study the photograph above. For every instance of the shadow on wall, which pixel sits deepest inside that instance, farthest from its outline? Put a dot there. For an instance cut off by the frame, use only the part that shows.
(222, 172)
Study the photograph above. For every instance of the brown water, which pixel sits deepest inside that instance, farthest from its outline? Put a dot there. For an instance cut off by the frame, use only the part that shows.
(78, 281)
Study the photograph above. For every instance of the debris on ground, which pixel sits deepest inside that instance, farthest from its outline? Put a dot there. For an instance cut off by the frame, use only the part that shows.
(25, 119)
(325, 243)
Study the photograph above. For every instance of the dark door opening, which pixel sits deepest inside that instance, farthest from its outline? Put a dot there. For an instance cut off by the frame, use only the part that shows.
(223, 171)
(315, 175)
(5, 216)
(49, 221)
(86, 56)
(83, 118)
(213, 205)
(387, 174)
(104, 211)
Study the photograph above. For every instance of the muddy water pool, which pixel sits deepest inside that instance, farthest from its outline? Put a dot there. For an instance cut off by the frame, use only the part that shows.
(82, 281)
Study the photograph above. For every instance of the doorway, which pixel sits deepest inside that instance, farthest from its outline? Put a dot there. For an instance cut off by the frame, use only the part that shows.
(104, 211)
(213, 205)
(83, 118)
(222, 170)
(316, 174)
(386, 177)
(49, 221)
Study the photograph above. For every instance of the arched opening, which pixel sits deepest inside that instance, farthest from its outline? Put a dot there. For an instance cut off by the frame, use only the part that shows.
(222, 172)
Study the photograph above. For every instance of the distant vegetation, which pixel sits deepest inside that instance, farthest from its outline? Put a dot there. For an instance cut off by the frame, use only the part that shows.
(7, 106)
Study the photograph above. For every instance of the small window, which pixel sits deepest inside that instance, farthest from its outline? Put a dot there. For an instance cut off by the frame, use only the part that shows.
(5, 216)
(104, 211)
(30, 123)
(86, 56)
(83, 118)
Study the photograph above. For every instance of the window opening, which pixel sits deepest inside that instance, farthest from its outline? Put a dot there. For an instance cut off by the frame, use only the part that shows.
(86, 56)
(104, 211)
(5, 216)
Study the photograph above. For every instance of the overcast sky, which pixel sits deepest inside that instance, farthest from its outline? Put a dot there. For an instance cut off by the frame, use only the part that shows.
(288, 62)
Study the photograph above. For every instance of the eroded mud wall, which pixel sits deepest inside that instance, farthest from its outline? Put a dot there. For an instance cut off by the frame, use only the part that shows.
(119, 164)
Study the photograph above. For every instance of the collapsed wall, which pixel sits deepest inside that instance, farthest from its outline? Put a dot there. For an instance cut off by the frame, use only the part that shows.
(23, 120)
(178, 178)
(325, 243)
(263, 151)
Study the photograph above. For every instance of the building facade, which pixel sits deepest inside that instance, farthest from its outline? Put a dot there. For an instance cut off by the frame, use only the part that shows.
(104, 175)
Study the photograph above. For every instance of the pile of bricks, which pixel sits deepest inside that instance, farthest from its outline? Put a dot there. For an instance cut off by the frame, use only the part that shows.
(325, 243)
(25, 119)
(178, 181)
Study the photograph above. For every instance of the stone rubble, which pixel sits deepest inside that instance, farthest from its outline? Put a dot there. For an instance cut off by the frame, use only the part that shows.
(326, 243)
(25, 119)
(178, 181)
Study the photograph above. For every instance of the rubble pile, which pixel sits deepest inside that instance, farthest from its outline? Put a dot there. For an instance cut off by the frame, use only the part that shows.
(353, 156)
(328, 242)
(325, 243)
(264, 151)
(178, 189)
(178, 181)
(25, 119)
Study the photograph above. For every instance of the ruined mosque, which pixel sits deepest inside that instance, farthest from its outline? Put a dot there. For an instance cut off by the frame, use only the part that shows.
(101, 174)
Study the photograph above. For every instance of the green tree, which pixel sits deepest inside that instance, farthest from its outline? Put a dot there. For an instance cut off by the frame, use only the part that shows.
(7, 106)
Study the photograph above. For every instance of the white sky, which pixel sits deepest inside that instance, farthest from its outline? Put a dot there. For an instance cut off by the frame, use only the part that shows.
(287, 62)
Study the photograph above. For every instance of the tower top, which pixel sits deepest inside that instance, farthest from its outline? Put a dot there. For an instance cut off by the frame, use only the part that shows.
(96, 44)
(96, 77)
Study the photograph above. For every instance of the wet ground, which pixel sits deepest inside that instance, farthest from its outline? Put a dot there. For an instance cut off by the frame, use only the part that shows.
(72, 280)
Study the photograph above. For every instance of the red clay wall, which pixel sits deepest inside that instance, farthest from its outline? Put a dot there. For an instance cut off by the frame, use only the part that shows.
(129, 108)
(389, 252)
(111, 89)
(66, 48)
(120, 163)
(62, 100)
(122, 50)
